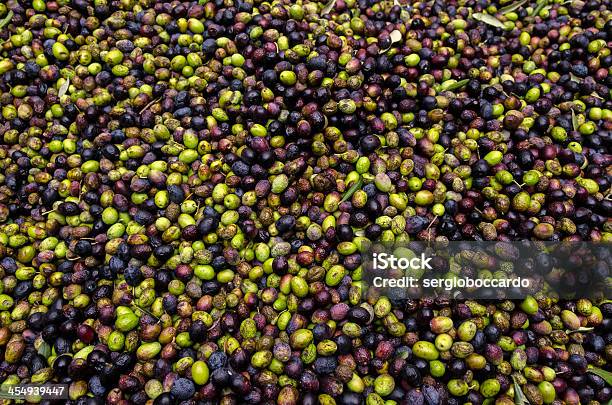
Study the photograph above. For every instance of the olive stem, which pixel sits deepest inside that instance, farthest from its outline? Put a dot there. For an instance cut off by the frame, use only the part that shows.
(146, 107)
(215, 323)
(429, 227)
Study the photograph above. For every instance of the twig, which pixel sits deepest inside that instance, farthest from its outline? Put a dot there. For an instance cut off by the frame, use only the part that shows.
(215, 323)
(146, 107)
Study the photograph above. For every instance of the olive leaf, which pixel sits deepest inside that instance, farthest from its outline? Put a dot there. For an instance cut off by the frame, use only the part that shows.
(328, 7)
(349, 193)
(64, 88)
(574, 120)
(457, 85)
(278, 316)
(395, 36)
(488, 19)
(539, 7)
(44, 350)
(574, 78)
(6, 19)
(519, 397)
(581, 329)
(510, 8)
(606, 375)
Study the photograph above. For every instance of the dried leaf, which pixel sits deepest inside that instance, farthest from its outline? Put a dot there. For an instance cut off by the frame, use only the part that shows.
(395, 36)
(577, 4)
(6, 19)
(519, 396)
(457, 85)
(510, 8)
(349, 193)
(64, 88)
(606, 375)
(488, 19)
(581, 329)
(574, 121)
(328, 7)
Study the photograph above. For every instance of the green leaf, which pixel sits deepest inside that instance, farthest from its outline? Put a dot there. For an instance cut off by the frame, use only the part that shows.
(63, 88)
(349, 193)
(44, 350)
(457, 85)
(539, 7)
(6, 19)
(328, 7)
(510, 8)
(488, 19)
(519, 396)
(606, 375)
(574, 121)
